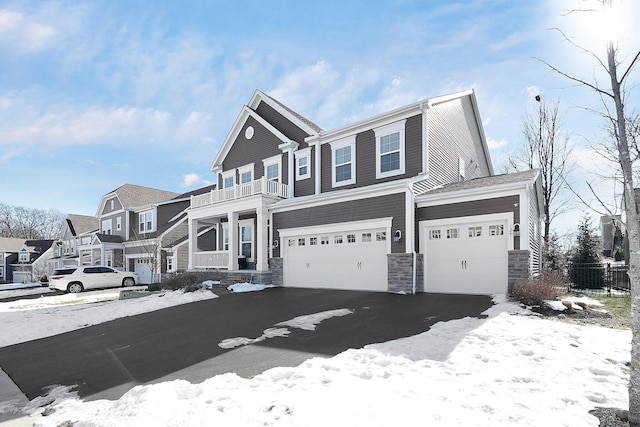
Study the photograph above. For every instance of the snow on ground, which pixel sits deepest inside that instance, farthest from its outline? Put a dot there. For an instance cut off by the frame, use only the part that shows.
(510, 369)
(247, 287)
(21, 289)
(54, 315)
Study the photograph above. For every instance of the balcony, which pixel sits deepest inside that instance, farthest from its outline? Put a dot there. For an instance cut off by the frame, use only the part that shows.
(258, 186)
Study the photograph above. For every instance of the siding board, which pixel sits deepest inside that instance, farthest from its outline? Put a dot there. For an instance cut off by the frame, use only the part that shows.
(357, 210)
(281, 123)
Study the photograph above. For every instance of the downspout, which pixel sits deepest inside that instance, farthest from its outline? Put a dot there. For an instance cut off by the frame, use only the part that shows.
(410, 232)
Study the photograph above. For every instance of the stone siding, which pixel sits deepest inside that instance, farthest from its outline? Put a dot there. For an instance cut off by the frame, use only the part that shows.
(276, 266)
(400, 273)
(518, 267)
(227, 278)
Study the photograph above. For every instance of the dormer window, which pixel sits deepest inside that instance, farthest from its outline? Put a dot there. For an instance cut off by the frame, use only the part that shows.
(145, 221)
(390, 152)
(23, 256)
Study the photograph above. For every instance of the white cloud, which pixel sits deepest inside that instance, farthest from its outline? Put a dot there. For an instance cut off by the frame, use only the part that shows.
(493, 144)
(192, 179)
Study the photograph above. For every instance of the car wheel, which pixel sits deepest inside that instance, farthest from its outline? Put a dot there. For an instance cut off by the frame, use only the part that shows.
(74, 288)
(128, 281)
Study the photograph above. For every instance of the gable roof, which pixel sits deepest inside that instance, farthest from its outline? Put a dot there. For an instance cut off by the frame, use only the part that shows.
(10, 244)
(134, 196)
(80, 224)
(249, 110)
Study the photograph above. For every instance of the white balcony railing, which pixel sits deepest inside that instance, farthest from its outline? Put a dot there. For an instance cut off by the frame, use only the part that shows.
(259, 186)
(211, 259)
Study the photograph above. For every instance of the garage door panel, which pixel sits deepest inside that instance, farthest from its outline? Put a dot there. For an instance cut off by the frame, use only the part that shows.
(469, 257)
(355, 260)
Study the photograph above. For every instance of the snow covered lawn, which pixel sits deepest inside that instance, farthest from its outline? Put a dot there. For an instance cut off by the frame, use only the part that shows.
(510, 369)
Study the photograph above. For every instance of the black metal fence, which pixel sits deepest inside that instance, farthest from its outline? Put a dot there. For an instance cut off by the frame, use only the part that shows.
(605, 278)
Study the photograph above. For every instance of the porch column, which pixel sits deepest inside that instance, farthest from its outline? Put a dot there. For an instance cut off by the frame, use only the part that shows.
(291, 173)
(193, 241)
(262, 239)
(233, 241)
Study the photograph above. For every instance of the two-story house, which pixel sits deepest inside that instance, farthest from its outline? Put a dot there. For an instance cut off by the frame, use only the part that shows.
(76, 230)
(30, 263)
(405, 201)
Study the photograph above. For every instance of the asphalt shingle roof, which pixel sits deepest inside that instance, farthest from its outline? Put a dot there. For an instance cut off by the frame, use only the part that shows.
(80, 224)
(10, 244)
(298, 116)
(132, 196)
(508, 178)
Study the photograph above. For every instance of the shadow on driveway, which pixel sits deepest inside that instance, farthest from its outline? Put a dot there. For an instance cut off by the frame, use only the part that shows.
(182, 341)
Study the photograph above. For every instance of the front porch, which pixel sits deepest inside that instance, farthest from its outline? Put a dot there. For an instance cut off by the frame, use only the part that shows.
(238, 216)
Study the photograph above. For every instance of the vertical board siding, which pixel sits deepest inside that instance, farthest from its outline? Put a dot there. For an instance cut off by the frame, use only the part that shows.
(392, 205)
(366, 157)
(454, 134)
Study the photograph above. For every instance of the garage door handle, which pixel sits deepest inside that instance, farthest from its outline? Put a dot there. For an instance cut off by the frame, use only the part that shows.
(464, 265)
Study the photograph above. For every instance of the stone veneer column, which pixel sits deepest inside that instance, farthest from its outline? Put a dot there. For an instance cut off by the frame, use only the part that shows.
(518, 267)
(275, 266)
(400, 273)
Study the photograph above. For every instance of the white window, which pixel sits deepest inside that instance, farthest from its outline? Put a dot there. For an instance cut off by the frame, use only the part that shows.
(452, 233)
(229, 179)
(246, 173)
(171, 263)
(475, 231)
(324, 240)
(292, 242)
(112, 203)
(119, 223)
(145, 221)
(381, 236)
(434, 235)
(496, 230)
(23, 256)
(313, 241)
(351, 238)
(302, 242)
(106, 226)
(343, 161)
(337, 239)
(225, 236)
(390, 152)
(366, 237)
(273, 168)
(303, 167)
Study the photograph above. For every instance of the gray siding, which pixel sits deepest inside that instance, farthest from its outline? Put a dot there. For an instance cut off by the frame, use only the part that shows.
(476, 207)
(107, 206)
(281, 123)
(366, 157)
(534, 230)
(307, 186)
(168, 211)
(114, 231)
(453, 134)
(371, 208)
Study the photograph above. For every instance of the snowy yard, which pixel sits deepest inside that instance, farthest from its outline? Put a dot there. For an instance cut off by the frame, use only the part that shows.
(510, 369)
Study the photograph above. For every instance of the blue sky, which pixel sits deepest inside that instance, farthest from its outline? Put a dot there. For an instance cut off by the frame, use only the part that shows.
(96, 94)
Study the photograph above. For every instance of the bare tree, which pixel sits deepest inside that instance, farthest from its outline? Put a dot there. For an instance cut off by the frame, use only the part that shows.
(612, 95)
(546, 149)
(28, 223)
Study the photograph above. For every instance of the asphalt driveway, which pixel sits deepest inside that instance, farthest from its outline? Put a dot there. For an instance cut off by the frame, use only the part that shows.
(106, 360)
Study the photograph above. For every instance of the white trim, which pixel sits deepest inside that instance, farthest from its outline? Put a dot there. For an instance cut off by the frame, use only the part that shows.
(490, 191)
(244, 169)
(228, 174)
(305, 153)
(244, 223)
(425, 138)
(337, 145)
(277, 159)
(261, 96)
(390, 129)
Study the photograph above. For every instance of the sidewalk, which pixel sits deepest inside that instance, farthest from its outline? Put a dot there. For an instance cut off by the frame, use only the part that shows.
(12, 400)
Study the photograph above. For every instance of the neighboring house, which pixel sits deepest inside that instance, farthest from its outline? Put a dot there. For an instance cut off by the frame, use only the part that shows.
(76, 230)
(30, 263)
(9, 248)
(404, 201)
(126, 216)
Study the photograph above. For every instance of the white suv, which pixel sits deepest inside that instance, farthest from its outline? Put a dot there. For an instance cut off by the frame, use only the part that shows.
(76, 279)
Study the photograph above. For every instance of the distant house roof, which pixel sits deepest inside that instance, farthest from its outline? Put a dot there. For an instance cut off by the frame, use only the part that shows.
(134, 196)
(10, 244)
(81, 224)
(196, 192)
(109, 238)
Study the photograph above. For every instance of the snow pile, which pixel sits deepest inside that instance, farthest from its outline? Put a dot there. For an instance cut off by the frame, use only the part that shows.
(248, 287)
(210, 283)
(63, 313)
(506, 370)
(12, 286)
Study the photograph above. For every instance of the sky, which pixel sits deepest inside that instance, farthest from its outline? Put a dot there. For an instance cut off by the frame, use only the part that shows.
(97, 94)
(508, 368)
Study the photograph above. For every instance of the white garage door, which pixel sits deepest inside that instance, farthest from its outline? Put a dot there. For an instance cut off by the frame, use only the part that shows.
(143, 270)
(466, 257)
(354, 259)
